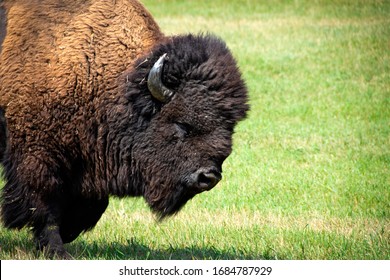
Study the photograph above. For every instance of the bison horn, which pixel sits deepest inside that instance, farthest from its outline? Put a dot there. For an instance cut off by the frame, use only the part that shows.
(155, 84)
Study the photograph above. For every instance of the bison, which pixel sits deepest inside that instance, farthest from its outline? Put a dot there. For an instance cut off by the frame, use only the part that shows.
(97, 101)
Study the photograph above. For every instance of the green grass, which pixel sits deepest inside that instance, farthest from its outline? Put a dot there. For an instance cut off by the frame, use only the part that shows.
(309, 176)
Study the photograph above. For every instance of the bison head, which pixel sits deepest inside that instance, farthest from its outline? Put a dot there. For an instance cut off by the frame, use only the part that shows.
(189, 96)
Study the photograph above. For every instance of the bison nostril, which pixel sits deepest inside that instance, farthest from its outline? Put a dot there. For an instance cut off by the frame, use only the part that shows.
(207, 180)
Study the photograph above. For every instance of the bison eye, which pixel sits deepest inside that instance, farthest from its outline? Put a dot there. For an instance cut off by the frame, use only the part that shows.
(184, 129)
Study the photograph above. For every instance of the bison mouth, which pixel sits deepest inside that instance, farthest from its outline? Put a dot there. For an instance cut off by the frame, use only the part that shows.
(203, 179)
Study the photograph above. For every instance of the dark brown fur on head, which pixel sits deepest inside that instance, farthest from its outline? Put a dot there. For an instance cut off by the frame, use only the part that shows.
(191, 131)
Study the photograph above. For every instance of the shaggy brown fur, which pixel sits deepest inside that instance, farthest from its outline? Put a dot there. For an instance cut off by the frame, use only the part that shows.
(81, 123)
(3, 134)
(59, 57)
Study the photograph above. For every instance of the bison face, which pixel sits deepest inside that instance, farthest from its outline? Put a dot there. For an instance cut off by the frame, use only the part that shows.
(181, 154)
(200, 96)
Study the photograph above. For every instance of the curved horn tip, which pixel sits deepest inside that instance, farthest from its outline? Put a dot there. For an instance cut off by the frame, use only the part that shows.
(155, 84)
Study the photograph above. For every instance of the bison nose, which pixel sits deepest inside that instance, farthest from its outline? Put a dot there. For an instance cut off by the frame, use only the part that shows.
(206, 179)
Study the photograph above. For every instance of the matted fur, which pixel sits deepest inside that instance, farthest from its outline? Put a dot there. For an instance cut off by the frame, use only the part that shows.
(82, 124)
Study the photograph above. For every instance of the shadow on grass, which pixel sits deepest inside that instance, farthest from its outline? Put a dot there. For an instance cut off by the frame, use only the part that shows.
(135, 250)
(22, 247)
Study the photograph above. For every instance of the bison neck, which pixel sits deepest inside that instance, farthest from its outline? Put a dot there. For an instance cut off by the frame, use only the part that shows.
(115, 138)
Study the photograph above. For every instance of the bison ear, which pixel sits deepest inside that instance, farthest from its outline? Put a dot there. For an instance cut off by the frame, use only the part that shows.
(155, 84)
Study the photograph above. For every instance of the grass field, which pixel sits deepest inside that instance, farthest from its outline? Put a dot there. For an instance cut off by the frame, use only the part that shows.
(309, 177)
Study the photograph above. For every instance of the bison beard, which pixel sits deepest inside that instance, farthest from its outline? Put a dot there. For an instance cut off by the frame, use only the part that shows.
(161, 132)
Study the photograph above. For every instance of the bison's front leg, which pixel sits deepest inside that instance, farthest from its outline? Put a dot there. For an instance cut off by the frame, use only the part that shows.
(32, 197)
(80, 214)
(48, 238)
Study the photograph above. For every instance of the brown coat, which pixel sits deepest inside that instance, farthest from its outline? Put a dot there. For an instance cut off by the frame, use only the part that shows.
(57, 60)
